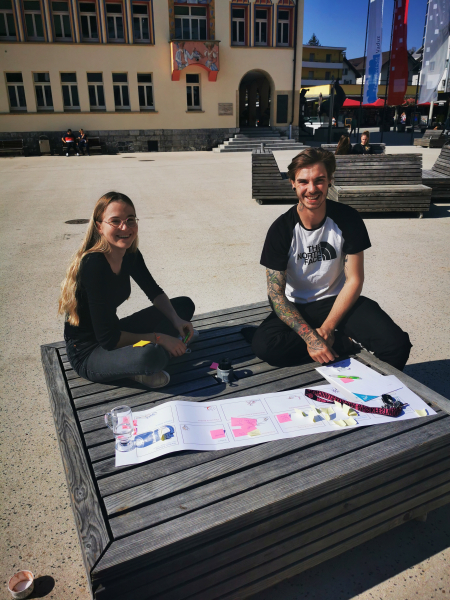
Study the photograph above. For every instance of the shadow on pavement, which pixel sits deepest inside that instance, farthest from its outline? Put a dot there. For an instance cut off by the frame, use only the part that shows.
(434, 374)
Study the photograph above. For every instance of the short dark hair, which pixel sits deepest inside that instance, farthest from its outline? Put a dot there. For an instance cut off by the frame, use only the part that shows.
(69, 130)
(312, 156)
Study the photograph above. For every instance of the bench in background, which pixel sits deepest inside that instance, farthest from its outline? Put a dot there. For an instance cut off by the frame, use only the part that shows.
(381, 183)
(268, 185)
(94, 146)
(438, 177)
(378, 148)
(12, 147)
(432, 138)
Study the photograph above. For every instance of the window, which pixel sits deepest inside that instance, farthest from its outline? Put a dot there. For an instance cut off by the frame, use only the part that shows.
(141, 23)
(328, 58)
(33, 20)
(190, 23)
(7, 25)
(43, 90)
(70, 91)
(312, 57)
(327, 75)
(61, 21)
(16, 91)
(88, 18)
(345, 72)
(193, 92)
(96, 92)
(283, 27)
(114, 19)
(238, 26)
(145, 91)
(261, 26)
(311, 75)
(121, 96)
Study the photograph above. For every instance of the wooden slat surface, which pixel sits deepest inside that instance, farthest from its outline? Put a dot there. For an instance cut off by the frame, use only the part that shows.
(229, 523)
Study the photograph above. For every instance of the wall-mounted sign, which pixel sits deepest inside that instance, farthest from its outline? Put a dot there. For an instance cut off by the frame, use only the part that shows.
(225, 108)
(186, 53)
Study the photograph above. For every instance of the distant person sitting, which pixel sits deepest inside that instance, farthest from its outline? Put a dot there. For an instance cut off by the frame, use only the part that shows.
(83, 143)
(364, 147)
(69, 141)
(344, 146)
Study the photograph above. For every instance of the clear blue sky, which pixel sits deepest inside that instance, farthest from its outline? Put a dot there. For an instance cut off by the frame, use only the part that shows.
(343, 23)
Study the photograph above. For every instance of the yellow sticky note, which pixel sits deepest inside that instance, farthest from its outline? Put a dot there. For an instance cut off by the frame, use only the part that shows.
(254, 432)
(350, 421)
(299, 412)
(421, 412)
(338, 405)
(141, 343)
(348, 410)
(325, 415)
(339, 423)
(313, 415)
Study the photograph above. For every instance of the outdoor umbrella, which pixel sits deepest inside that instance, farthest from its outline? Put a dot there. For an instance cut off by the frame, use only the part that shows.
(350, 103)
(377, 104)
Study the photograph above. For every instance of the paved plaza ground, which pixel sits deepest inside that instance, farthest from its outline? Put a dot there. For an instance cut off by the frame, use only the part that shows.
(201, 235)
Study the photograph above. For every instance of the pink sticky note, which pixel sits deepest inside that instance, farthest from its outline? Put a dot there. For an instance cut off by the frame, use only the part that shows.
(239, 432)
(284, 418)
(243, 422)
(346, 380)
(217, 434)
(214, 366)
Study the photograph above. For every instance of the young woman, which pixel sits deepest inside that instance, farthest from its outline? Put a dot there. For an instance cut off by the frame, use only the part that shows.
(99, 344)
(344, 146)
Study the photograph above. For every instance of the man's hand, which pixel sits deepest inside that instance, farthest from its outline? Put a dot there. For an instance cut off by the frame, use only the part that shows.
(319, 349)
(174, 346)
(327, 335)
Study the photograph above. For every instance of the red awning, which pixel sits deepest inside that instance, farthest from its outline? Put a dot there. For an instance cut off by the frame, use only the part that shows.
(349, 103)
(378, 102)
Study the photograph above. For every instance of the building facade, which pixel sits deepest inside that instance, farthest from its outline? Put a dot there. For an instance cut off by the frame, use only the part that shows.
(321, 64)
(148, 74)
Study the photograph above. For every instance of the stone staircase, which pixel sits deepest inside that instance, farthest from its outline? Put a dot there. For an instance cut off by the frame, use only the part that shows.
(251, 138)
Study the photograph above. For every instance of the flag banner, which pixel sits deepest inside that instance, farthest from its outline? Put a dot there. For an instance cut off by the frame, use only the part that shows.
(398, 76)
(373, 58)
(435, 49)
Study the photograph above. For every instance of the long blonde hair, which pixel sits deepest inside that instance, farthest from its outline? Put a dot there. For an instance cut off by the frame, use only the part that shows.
(93, 242)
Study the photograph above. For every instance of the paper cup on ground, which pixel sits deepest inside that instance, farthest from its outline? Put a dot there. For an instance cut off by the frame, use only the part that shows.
(21, 584)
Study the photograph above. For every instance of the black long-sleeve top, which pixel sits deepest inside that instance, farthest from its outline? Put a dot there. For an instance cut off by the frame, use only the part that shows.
(100, 291)
(360, 149)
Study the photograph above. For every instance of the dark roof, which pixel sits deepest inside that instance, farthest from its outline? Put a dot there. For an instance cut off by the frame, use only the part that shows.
(360, 63)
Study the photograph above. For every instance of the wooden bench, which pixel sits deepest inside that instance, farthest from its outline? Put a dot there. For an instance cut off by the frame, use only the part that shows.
(381, 183)
(378, 148)
(438, 177)
(231, 523)
(94, 146)
(432, 138)
(268, 184)
(12, 147)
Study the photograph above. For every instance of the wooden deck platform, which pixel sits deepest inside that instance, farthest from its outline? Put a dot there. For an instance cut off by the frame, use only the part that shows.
(230, 523)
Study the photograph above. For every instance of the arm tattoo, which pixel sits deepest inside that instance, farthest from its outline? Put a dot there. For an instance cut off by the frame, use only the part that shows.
(286, 311)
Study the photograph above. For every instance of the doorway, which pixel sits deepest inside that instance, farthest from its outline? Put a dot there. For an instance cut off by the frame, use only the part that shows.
(255, 99)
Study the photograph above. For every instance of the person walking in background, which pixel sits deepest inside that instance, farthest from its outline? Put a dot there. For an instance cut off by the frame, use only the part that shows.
(83, 143)
(364, 147)
(344, 146)
(354, 125)
(69, 140)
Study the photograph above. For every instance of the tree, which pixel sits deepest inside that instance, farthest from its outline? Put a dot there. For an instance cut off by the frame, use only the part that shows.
(314, 40)
(412, 50)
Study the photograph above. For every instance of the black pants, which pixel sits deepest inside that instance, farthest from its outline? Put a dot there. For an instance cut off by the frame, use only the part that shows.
(83, 146)
(107, 365)
(366, 323)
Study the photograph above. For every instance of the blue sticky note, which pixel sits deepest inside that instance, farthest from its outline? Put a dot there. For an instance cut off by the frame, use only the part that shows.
(365, 398)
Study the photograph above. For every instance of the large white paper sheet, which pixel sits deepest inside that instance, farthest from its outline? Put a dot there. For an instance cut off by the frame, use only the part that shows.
(238, 422)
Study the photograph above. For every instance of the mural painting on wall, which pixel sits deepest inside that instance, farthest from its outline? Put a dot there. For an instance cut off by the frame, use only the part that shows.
(201, 54)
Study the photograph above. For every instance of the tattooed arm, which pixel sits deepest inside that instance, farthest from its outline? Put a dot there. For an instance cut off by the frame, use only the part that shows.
(354, 279)
(318, 348)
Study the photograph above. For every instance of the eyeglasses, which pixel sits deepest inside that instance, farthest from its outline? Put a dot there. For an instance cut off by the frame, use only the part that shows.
(116, 223)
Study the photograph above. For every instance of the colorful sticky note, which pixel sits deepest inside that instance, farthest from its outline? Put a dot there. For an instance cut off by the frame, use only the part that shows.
(141, 343)
(254, 433)
(350, 421)
(421, 412)
(346, 379)
(284, 418)
(214, 366)
(365, 397)
(216, 434)
(239, 432)
(339, 423)
(244, 423)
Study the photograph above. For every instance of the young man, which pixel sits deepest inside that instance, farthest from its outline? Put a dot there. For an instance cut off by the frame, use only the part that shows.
(69, 139)
(314, 259)
(364, 147)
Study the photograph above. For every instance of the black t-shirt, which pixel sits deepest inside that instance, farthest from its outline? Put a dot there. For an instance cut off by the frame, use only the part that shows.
(100, 291)
(314, 259)
(360, 149)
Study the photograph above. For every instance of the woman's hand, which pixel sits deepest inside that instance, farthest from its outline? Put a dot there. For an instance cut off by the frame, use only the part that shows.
(185, 328)
(174, 346)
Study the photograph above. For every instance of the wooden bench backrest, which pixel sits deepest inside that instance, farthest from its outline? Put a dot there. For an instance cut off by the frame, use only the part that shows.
(433, 133)
(94, 141)
(442, 164)
(378, 169)
(378, 147)
(264, 166)
(11, 144)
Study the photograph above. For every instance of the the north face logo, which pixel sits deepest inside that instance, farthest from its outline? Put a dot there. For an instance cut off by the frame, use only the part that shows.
(322, 251)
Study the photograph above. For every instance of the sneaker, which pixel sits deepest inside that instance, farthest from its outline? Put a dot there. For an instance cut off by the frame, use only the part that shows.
(156, 380)
(67, 154)
(78, 154)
